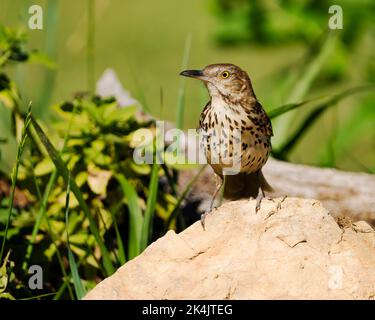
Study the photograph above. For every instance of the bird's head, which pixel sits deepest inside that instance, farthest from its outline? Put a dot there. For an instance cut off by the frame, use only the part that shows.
(224, 80)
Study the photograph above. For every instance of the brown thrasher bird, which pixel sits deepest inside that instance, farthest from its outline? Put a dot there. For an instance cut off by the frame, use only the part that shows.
(235, 133)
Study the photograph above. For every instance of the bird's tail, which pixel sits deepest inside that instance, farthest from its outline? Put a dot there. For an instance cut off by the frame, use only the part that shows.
(244, 185)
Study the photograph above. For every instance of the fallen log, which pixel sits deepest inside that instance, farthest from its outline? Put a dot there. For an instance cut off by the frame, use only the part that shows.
(344, 194)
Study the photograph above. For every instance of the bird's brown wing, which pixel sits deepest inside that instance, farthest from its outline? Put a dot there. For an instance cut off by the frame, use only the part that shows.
(263, 119)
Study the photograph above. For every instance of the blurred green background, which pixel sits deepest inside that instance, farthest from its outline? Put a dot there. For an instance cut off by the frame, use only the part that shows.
(143, 41)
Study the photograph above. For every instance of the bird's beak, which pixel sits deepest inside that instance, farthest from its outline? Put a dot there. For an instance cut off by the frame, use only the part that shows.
(198, 74)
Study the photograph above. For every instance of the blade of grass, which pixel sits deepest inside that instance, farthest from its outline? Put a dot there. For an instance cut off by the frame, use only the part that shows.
(360, 165)
(78, 286)
(44, 200)
(91, 46)
(106, 229)
(181, 90)
(39, 296)
(38, 221)
(20, 149)
(59, 257)
(64, 285)
(181, 98)
(159, 149)
(36, 184)
(311, 118)
(286, 108)
(161, 104)
(331, 133)
(303, 84)
(61, 290)
(170, 179)
(64, 172)
(120, 243)
(313, 69)
(150, 208)
(139, 92)
(135, 216)
(291, 106)
(50, 49)
(53, 237)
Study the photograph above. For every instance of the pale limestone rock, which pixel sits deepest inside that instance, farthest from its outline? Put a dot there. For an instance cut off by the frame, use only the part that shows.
(296, 251)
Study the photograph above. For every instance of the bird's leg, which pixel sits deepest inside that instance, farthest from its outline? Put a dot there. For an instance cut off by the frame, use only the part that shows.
(218, 187)
(259, 199)
(260, 195)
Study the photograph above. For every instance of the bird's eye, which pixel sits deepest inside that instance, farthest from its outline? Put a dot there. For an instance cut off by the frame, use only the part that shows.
(225, 74)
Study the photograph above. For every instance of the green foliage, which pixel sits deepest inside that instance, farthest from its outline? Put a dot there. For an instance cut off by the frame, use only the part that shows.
(275, 22)
(14, 179)
(316, 112)
(135, 216)
(12, 46)
(84, 204)
(64, 172)
(108, 193)
(6, 275)
(13, 51)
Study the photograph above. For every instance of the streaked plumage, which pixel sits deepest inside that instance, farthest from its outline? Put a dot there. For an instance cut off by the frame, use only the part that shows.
(236, 132)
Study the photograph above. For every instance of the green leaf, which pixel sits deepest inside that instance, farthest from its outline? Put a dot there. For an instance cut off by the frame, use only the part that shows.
(141, 169)
(4, 274)
(286, 108)
(44, 167)
(79, 238)
(135, 218)
(121, 247)
(117, 114)
(150, 208)
(6, 295)
(98, 179)
(94, 112)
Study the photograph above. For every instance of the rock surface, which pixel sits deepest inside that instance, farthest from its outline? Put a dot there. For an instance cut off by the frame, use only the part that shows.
(291, 249)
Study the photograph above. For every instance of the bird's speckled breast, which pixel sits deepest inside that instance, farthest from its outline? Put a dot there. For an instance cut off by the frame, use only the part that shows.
(234, 137)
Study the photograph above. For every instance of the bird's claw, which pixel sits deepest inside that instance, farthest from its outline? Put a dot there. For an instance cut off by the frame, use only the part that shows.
(203, 216)
(278, 207)
(259, 199)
